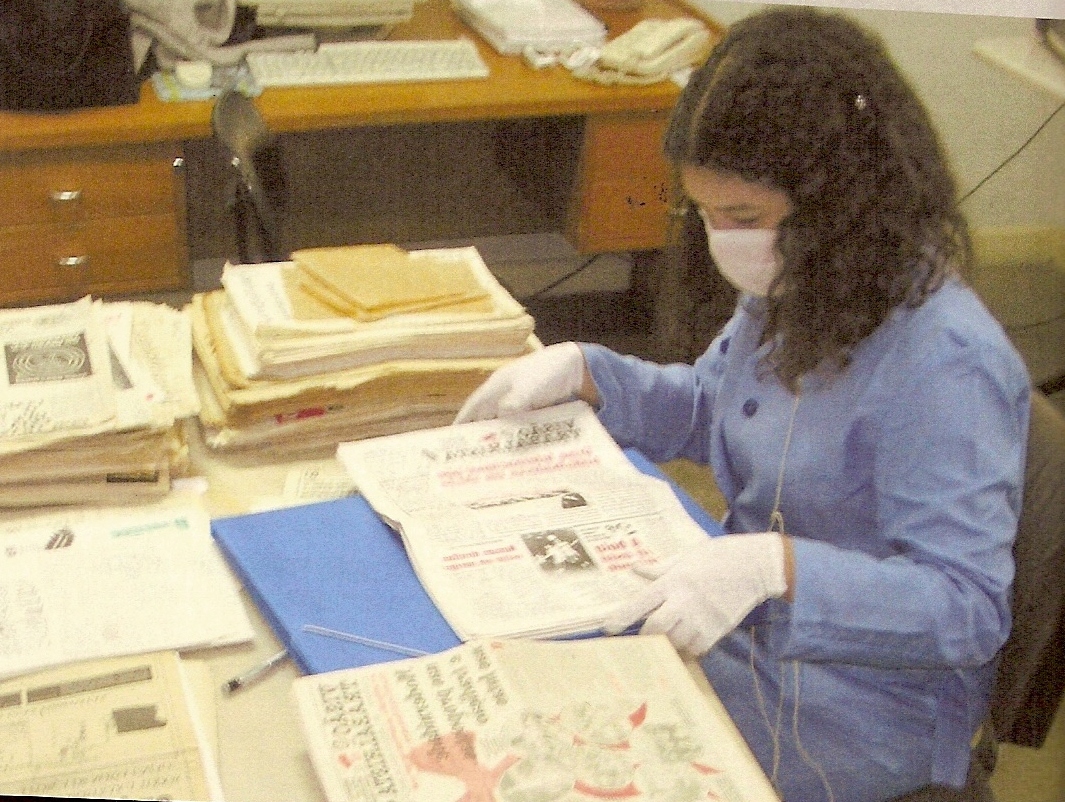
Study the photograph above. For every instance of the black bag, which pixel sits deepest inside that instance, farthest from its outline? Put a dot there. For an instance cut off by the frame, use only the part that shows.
(65, 54)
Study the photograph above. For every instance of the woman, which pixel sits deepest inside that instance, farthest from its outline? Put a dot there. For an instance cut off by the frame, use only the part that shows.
(864, 416)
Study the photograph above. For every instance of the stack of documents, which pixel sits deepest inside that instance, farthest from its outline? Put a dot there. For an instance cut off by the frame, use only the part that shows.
(349, 342)
(510, 26)
(91, 402)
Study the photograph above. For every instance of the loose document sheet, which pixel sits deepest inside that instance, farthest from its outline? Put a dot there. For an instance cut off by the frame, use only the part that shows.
(523, 526)
(123, 728)
(522, 720)
(83, 584)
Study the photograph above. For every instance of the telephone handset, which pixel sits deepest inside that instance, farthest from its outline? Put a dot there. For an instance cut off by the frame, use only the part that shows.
(656, 47)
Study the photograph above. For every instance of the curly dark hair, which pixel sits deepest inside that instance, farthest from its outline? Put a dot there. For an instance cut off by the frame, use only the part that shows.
(807, 102)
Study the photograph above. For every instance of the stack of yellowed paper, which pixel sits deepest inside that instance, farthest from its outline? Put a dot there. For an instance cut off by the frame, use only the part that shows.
(371, 282)
(348, 342)
(91, 402)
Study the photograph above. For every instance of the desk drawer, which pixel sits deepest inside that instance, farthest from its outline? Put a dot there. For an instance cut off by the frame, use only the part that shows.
(624, 185)
(73, 186)
(46, 264)
(99, 220)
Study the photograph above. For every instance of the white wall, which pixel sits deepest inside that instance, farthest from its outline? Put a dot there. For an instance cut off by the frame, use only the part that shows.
(983, 113)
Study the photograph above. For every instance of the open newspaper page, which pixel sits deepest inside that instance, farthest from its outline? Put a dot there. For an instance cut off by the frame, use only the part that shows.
(523, 526)
(522, 720)
(122, 728)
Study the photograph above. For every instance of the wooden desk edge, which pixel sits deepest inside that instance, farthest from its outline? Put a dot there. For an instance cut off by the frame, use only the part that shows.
(288, 110)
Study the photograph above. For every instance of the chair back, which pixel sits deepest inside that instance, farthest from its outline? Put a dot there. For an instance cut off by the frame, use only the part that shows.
(1030, 679)
(261, 189)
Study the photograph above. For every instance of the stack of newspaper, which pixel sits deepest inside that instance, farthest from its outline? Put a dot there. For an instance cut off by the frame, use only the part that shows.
(91, 402)
(349, 342)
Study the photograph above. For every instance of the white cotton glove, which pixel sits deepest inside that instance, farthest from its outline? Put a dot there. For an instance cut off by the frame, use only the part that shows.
(541, 379)
(699, 597)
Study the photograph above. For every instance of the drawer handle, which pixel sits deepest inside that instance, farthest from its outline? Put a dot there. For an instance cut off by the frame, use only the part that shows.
(66, 196)
(73, 261)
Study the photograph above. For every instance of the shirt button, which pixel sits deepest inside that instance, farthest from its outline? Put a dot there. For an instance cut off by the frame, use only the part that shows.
(724, 345)
(750, 406)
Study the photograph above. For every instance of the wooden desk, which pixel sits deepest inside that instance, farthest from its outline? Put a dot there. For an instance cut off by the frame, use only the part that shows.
(93, 201)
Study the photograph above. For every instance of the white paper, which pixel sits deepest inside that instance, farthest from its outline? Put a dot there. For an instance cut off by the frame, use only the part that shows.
(79, 586)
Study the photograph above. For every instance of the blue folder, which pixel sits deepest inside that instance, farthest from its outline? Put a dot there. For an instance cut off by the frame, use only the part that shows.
(335, 564)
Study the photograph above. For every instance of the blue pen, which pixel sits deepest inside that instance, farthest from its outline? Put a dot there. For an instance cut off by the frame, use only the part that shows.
(255, 673)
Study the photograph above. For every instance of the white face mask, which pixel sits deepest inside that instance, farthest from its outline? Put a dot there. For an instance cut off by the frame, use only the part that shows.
(747, 257)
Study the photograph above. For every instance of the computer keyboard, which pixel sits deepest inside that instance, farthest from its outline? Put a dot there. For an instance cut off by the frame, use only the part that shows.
(369, 62)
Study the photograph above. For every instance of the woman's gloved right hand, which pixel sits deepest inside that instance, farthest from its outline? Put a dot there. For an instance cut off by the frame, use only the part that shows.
(550, 376)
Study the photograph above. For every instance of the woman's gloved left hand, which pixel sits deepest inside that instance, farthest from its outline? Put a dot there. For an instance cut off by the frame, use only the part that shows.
(541, 379)
(699, 597)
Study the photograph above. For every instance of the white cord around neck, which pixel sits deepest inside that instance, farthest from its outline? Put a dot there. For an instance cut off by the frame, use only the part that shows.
(776, 524)
(776, 517)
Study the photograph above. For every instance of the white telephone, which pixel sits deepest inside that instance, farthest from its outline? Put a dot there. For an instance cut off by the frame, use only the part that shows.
(654, 48)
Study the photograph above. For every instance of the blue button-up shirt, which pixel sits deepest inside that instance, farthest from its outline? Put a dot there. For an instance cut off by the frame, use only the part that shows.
(901, 490)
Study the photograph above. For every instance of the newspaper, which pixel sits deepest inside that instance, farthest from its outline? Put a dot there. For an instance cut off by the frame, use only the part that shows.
(524, 526)
(123, 728)
(153, 343)
(522, 720)
(89, 400)
(57, 374)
